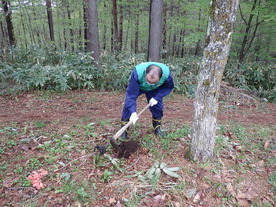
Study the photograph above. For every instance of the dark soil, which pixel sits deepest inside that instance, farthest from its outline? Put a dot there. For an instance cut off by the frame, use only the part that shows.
(127, 148)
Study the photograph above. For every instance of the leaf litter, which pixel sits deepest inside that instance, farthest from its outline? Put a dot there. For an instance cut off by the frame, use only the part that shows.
(240, 176)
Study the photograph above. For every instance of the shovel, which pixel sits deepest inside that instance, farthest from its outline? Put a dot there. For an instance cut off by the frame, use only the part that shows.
(120, 132)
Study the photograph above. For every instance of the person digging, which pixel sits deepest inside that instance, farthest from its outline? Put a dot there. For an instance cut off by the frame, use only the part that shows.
(155, 81)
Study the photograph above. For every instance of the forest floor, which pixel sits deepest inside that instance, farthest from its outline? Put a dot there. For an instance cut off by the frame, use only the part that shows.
(57, 133)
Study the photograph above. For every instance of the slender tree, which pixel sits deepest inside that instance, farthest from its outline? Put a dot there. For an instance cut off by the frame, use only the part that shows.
(85, 19)
(8, 14)
(155, 30)
(115, 31)
(70, 25)
(93, 31)
(219, 36)
(50, 19)
(2, 35)
(164, 44)
(250, 30)
(120, 32)
(136, 33)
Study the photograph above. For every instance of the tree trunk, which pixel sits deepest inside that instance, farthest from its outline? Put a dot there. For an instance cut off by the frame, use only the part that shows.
(2, 36)
(136, 34)
(247, 39)
(197, 48)
(85, 19)
(120, 35)
(70, 26)
(50, 19)
(115, 27)
(7, 14)
(93, 31)
(219, 36)
(164, 46)
(155, 30)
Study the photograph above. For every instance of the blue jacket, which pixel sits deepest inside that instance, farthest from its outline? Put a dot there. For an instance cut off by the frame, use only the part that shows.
(133, 89)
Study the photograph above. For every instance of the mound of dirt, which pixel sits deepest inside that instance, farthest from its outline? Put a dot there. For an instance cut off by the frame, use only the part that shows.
(127, 148)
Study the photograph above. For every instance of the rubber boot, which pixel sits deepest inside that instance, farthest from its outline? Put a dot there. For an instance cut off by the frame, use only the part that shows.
(156, 122)
(124, 134)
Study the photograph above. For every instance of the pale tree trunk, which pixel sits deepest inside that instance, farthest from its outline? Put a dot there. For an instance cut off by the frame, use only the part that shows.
(155, 31)
(219, 36)
(93, 32)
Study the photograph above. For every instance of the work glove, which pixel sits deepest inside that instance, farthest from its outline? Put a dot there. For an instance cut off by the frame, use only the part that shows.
(133, 118)
(153, 102)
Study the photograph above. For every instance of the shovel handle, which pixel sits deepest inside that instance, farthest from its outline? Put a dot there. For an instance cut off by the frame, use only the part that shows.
(120, 132)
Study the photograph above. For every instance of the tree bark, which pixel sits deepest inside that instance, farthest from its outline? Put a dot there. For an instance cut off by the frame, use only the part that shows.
(70, 26)
(164, 44)
(155, 30)
(115, 27)
(218, 41)
(120, 32)
(50, 19)
(136, 34)
(7, 14)
(93, 31)
(85, 19)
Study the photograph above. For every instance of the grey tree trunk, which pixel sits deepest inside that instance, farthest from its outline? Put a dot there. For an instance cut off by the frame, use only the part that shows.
(155, 31)
(93, 31)
(218, 41)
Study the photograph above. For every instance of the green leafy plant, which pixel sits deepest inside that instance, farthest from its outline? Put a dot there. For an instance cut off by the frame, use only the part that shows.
(155, 172)
(106, 176)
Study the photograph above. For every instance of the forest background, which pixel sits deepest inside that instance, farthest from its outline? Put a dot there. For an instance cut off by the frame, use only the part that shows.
(45, 44)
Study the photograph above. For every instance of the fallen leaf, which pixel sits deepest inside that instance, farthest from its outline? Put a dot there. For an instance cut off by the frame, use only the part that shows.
(176, 204)
(238, 148)
(260, 163)
(8, 183)
(190, 193)
(266, 145)
(197, 197)
(230, 188)
(35, 178)
(109, 128)
(224, 172)
(78, 204)
(112, 200)
(118, 204)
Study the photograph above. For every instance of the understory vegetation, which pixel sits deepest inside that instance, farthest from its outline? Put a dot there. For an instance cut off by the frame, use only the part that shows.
(51, 69)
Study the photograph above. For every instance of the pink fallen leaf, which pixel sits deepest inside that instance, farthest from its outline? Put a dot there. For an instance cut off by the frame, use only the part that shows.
(112, 200)
(35, 178)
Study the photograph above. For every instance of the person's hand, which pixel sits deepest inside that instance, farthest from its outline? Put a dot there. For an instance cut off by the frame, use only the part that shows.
(133, 118)
(153, 102)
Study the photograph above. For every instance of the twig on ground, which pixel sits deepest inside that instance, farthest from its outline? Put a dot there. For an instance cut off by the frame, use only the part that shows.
(84, 156)
(22, 188)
